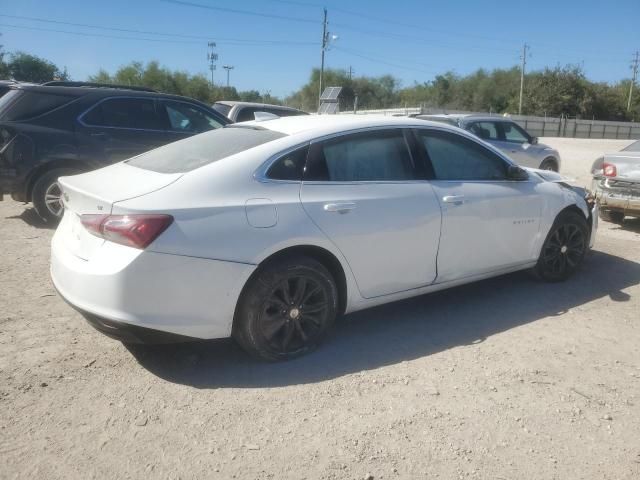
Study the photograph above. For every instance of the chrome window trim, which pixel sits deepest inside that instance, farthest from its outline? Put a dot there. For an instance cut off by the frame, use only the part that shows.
(260, 173)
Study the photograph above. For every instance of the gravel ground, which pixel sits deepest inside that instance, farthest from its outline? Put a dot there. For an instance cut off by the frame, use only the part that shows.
(506, 378)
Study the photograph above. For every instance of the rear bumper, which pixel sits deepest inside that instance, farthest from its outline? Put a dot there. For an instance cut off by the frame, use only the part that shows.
(624, 197)
(136, 294)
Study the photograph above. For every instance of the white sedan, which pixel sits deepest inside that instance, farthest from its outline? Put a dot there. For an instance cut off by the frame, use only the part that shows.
(266, 231)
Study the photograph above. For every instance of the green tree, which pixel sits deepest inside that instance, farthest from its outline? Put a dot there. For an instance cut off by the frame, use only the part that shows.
(29, 68)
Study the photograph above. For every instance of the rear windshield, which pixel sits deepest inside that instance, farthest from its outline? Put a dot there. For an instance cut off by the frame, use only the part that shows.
(200, 150)
(222, 108)
(19, 104)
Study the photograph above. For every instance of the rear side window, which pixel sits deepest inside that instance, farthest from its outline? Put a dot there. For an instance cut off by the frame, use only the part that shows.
(184, 117)
(18, 104)
(455, 157)
(247, 114)
(371, 156)
(137, 113)
(289, 166)
(199, 150)
(222, 108)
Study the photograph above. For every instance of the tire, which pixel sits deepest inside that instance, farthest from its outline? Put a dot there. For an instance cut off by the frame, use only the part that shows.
(44, 192)
(286, 309)
(612, 216)
(549, 164)
(564, 248)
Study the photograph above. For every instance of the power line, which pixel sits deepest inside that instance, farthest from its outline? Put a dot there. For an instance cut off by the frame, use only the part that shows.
(241, 12)
(380, 61)
(147, 32)
(228, 41)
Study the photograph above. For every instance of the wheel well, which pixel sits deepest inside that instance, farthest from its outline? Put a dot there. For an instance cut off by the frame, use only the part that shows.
(576, 209)
(321, 255)
(552, 159)
(52, 165)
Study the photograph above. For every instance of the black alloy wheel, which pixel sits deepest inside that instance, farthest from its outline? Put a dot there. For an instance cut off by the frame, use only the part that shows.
(286, 309)
(565, 247)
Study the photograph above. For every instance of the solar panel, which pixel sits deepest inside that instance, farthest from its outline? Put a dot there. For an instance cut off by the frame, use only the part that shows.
(331, 93)
(328, 108)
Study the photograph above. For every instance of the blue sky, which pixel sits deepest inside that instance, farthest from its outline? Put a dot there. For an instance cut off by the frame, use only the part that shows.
(275, 51)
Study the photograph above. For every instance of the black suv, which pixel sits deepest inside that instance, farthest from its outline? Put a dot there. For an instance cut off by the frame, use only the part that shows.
(64, 128)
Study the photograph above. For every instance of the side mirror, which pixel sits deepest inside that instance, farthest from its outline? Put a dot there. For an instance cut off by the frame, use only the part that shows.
(514, 172)
(534, 140)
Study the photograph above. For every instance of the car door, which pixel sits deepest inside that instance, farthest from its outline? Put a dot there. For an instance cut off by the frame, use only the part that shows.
(517, 144)
(488, 221)
(367, 193)
(118, 128)
(184, 119)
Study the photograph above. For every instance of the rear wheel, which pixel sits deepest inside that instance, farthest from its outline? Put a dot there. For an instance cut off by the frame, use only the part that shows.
(612, 216)
(549, 164)
(47, 194)
(564, 248)
(286, 309)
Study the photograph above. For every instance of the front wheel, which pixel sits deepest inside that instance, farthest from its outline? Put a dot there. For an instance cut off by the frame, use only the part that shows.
(564, 248)
(47, 194)
(549, 164)
(286, 309)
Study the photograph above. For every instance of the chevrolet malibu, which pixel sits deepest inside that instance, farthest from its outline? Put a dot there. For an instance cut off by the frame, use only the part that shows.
(267, 231)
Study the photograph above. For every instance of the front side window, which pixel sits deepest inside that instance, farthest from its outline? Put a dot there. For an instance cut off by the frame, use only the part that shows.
(184, 117)
(371, 156)
(513, 133)
(455, 157)
(485, 130)
(135, 113)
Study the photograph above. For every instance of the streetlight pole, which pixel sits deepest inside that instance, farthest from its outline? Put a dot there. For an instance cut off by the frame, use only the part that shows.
(228, 68)
(212, 57)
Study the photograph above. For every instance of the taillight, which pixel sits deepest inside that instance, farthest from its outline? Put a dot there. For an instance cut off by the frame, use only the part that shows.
(137, 230)
(609, 170)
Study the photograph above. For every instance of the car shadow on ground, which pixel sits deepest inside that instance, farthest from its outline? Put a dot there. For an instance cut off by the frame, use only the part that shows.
(399, 331)
(30, 217)
(630, 224)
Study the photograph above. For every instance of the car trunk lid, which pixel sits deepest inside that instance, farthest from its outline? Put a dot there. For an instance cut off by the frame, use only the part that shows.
(95, 193)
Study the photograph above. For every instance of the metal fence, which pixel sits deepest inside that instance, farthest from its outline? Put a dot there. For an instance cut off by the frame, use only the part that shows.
(541, 126)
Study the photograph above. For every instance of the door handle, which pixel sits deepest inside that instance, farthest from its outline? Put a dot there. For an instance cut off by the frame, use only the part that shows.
(455, 199)
(339, 207)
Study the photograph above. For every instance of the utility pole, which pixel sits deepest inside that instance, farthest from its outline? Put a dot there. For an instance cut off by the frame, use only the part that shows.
(351, 72)
(634, 69)
(524, 64)
(212, 58)
(228, 68)
(325, 39)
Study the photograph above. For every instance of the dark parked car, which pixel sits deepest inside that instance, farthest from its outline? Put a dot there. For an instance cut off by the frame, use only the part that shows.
(245, 111)
(65, 128)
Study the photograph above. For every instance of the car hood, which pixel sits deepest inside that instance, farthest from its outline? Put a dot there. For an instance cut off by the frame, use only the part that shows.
(549, 176)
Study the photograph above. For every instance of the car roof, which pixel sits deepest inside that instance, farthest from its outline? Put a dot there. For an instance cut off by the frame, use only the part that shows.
(234, 103)
(104, 91)
(322, 125)
(467, 117)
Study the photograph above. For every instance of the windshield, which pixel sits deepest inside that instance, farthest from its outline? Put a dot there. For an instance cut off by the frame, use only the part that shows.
(200, 150)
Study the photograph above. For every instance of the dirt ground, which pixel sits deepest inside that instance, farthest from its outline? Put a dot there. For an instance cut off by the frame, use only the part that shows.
(508, 378)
